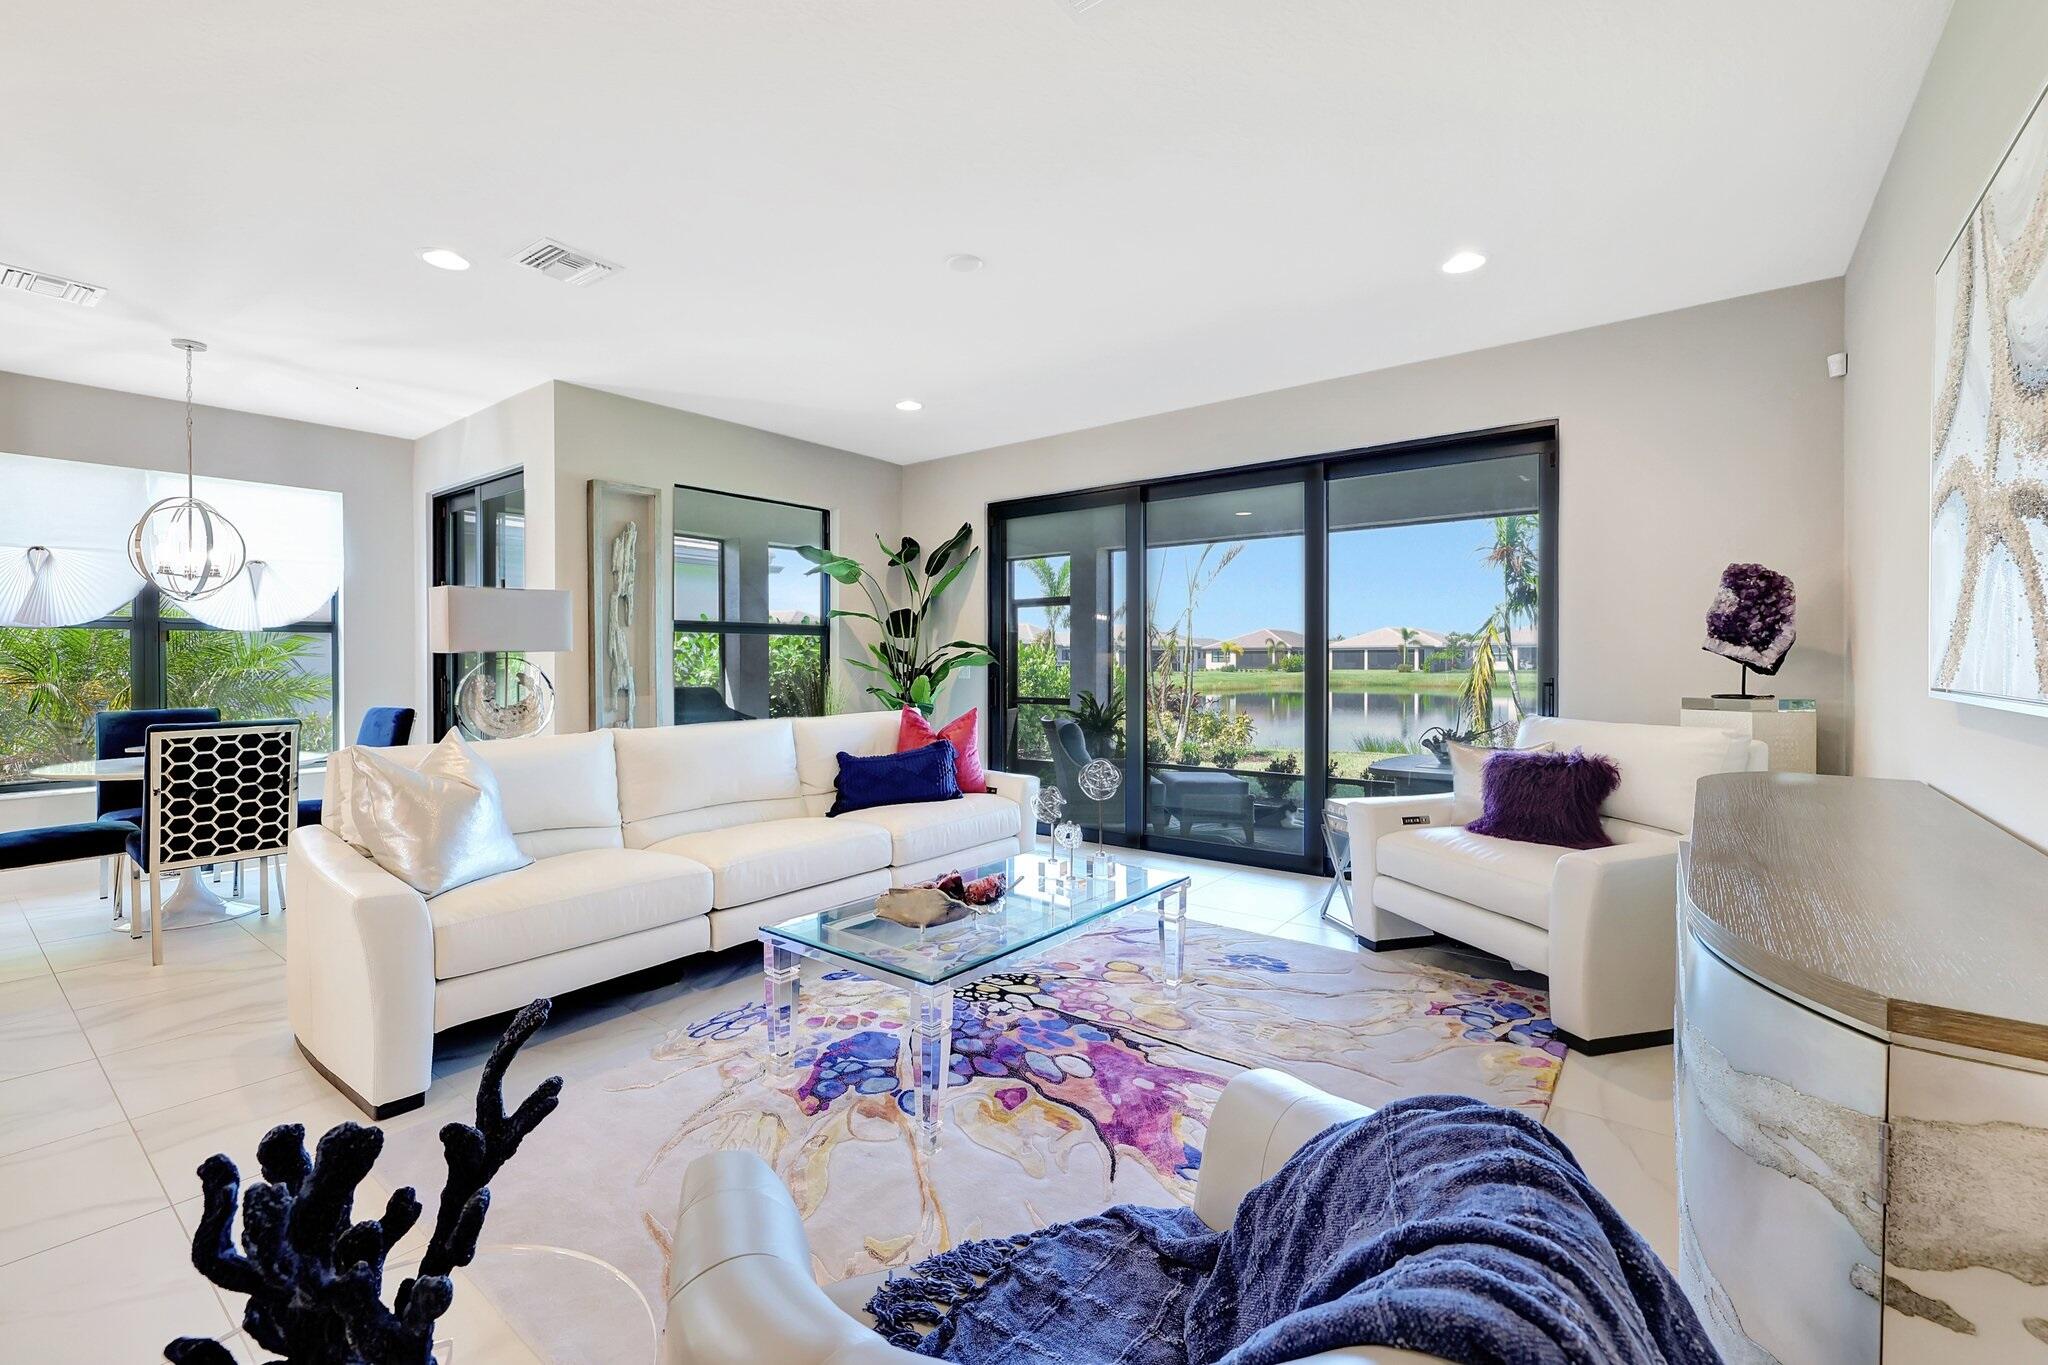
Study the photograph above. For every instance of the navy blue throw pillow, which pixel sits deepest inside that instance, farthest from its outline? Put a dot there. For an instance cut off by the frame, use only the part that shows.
(914, 775)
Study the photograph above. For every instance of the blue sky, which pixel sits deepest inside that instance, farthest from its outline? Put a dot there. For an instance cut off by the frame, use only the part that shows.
(1431, 577)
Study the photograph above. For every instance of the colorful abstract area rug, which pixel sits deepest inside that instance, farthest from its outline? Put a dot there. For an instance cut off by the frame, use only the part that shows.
(1078, 1081)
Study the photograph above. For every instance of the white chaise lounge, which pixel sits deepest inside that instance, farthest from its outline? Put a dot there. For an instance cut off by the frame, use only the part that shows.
(649, 845)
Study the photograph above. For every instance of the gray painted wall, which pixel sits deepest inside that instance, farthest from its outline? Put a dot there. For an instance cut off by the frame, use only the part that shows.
(1986, 74)
(605, 436)
(1688, 440)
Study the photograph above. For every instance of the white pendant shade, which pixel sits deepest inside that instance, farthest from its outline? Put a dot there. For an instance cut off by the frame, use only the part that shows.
(77, 516)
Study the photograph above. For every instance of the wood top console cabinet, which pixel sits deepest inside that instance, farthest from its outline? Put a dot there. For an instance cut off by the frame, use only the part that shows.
(1862, 1075)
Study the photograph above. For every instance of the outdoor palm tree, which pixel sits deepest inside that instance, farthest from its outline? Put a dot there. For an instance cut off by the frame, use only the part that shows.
(54, 681)
(1515, 553)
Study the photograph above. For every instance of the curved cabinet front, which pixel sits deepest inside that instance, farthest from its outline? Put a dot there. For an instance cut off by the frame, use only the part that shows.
(1780, 1170)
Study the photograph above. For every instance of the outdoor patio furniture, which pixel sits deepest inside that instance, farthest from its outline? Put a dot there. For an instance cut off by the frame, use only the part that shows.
(1069, 755)
(1201, 798)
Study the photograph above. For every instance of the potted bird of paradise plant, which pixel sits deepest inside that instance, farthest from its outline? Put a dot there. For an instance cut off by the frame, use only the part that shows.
(910, 669)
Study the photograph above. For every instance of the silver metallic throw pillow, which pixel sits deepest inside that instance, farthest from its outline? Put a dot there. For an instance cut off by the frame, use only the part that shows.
(435, 827)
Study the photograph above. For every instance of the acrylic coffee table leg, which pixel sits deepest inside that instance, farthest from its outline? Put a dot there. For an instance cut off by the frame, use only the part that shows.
(1173, 933)
(780, 966)
(932, 1054)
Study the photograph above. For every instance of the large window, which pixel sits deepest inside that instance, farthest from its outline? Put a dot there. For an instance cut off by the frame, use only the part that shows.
(54, 680)
(751, 638)
(1307, 629)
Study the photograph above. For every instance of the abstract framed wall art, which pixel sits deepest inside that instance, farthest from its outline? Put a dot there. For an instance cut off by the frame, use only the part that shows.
(1987, 533)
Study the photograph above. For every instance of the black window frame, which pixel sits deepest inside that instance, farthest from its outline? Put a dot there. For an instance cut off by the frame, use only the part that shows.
(724, 626)
(1317, 473)
(447, 570)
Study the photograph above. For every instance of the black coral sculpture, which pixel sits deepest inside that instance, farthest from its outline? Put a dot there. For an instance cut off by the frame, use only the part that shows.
(314, 1278)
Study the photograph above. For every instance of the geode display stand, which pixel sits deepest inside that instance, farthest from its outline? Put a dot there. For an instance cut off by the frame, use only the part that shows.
(1789, 725)
(315, 1279)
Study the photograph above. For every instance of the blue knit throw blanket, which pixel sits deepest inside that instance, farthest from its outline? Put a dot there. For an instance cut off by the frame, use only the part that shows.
(1440, 1224)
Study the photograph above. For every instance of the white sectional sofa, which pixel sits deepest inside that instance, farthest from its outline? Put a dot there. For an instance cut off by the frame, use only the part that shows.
(648, 845)
(1602, 923)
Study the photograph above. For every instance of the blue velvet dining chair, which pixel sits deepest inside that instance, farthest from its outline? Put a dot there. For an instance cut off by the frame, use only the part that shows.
(118, 734)
(383, 727)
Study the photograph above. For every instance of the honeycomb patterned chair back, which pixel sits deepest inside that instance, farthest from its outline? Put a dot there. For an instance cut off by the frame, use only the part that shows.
(218, 793)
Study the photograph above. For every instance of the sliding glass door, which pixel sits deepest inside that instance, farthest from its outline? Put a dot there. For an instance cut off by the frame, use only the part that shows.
(1296, 630)
(1436, 587)
(1226, 608)
(1063, 585)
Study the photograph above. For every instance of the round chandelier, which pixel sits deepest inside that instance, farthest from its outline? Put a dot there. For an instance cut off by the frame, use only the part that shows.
(184, 547)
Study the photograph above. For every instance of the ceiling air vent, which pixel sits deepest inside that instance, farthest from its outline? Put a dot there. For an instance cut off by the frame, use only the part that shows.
(50, 286)
(565, 263)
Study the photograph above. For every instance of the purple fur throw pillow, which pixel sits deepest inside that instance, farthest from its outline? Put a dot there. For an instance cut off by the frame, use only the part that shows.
(1541, 798)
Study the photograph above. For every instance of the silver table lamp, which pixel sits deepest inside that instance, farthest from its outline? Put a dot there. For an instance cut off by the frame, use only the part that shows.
(493, 621)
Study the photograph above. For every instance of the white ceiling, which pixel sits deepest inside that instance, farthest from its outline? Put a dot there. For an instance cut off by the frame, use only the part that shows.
(1179, 200)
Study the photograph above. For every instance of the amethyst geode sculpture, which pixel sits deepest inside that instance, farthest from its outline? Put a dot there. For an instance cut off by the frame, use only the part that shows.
(1751, 619)
(314, 1276)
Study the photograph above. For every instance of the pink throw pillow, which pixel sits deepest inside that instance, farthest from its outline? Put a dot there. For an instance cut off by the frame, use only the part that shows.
(914, 732)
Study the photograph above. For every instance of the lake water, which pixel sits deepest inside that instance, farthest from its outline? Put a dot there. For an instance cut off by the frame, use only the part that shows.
(1386, 718)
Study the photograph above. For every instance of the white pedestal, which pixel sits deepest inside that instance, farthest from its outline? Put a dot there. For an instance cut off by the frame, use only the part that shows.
(1789, 725)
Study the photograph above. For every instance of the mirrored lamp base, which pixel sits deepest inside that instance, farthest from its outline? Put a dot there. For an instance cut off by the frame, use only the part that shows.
(483, 716)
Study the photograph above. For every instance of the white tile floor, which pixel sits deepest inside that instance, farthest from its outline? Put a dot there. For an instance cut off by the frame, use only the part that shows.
(117, 1079)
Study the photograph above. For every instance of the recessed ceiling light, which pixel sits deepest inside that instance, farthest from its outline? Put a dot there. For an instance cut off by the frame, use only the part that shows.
(442, 258)
(1464, 263)
(909, 405)
(963, 263)
(1240, 514)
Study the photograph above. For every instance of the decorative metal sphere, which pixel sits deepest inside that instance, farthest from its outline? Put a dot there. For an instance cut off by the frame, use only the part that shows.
(1067, 835)
(1052, 804)
(186, 548)
(1100, 779)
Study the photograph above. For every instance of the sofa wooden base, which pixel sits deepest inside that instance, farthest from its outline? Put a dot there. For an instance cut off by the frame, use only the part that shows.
(376, 1111)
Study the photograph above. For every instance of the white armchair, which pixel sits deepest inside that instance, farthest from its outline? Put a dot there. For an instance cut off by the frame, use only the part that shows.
(1601, 923)
(742, 1288)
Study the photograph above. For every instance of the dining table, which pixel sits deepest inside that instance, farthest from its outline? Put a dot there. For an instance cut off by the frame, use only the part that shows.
(191, 901)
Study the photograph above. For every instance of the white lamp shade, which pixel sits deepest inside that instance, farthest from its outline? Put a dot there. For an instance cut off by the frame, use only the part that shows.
(498, 620)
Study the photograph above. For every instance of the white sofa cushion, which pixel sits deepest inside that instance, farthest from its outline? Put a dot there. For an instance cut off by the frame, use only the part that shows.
(753, 862)
(560, 903)
(560, 792)
(1660, 764)
(821, 739)
(933, 829)
(1505, 876)
(669, 773)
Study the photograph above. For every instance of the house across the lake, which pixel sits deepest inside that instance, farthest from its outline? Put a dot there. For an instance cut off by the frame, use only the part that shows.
(1263, 648)
(1424, 651)
(1391, 647)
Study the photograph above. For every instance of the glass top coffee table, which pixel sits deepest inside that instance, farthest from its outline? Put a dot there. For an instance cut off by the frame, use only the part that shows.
(1037, 911)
